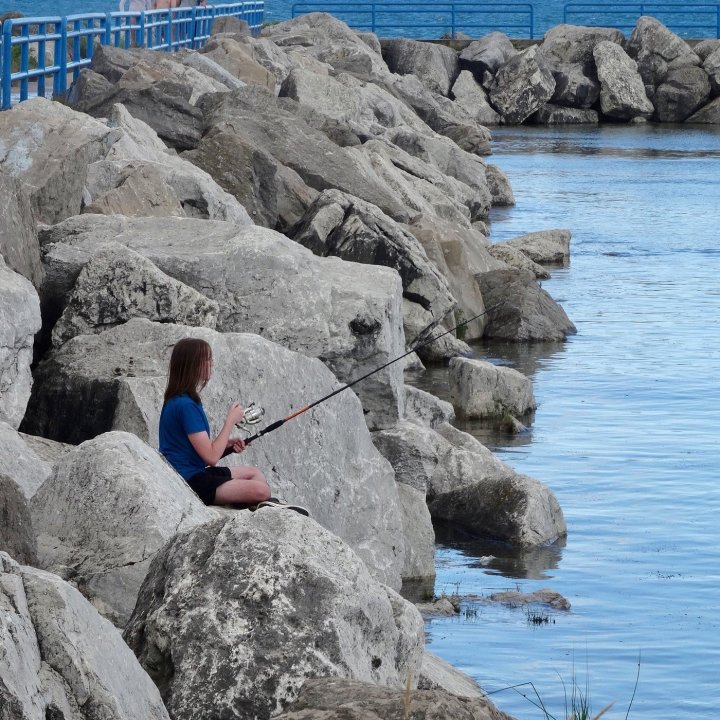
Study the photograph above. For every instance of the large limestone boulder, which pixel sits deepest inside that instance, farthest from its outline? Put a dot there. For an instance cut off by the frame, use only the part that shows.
(323, 460)
(656, 50)
(140, 148)
(105, 512)
(551, 114)
(711, 65)
(514, 257)
(622, 92)
(60, 659)
(325, 38)
(118, 284)
(568, 50)
(487, 54)
(208, 66)
(20, 461)
(19, 321)
(436, 66)
(521, 310)
(292, 142)
(233, 56)
(347, 314)
(544, 247)
(708, 115)
(468, 486)
(436, 674)
(332, 699)
(521, 86)
(347, 227)
(418, 534)
(480, 389)
(18, 236)
(236, 614)
(48, 147)
(425, 408)
(16, 531)
(473, 98)
(681, 93)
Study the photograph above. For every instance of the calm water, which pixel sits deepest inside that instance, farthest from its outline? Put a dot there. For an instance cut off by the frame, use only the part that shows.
(547, 13)
(626, 433)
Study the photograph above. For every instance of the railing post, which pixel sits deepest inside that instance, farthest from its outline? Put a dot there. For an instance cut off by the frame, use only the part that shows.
(532, 22)
(191, 34)
(60, 80)
(169, 30)
(372, 17)
(452, 21)
(717, 21)
(6, 64)
(108, 30)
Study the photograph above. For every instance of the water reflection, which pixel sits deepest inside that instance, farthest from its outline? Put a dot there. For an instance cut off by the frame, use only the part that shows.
(498, 558)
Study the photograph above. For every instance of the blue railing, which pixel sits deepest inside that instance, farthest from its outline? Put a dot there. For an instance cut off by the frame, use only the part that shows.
(686, 19)
(38, 51)
(428, 19)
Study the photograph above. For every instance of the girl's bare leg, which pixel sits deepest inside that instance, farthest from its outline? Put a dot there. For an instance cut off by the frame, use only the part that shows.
(247, 487)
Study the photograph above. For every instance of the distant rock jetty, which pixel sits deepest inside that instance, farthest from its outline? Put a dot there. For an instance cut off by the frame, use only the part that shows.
(312, 203)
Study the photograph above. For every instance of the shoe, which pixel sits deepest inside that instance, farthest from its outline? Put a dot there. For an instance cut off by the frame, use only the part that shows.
(273, 502)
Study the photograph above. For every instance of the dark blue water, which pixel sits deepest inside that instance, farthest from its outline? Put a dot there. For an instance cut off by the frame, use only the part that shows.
(626, 433)
(546, 14)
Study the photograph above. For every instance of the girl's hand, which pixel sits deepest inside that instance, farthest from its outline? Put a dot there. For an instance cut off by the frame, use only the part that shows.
(236, 413)
(237, 444)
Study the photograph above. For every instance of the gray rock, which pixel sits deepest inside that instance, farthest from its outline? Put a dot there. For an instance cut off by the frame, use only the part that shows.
(105, 512)
(436, 66)
(207, 66)
(264, 283)
(574, 44)
(324, 37)
(330, 699)
(418, 534)
(225, 622)
(575, 86)
(711, 65)
(439, 352)
(49, 451)
(18, 236)
(487, 54)
(651, 38)
(88, 86)
(480, 389)
(427, 409)
(324, 460)
(516, 258)
(341, 225)
(622, 92)
(708, 115)
(291, 141)
(16, 532)
(244, 170)
(681, 93)
(20, 462)
(61, 659)
(545, 596)
(705, 48)
(19, 321)
(436, 674)
(521, 86)
(522, 311)
(229, 24)
(234, 57)
(472, 97)
(550, 114)
(113, 62)
(502, 194)
(48, 147)
(118, 284)
(545, 247)
(164, 105)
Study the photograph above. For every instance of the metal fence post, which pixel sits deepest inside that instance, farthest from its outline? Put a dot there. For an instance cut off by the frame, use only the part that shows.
(60, 79)
(6, 63)
(452, 21)
(373, 23)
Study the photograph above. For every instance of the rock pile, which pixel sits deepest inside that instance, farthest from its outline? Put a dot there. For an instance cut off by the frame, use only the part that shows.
(312, 203)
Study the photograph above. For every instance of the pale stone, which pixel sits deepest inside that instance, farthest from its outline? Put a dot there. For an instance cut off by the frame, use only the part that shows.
(622, 92)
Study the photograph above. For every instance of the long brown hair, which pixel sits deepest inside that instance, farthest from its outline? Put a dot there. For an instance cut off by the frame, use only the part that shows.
(187, 368)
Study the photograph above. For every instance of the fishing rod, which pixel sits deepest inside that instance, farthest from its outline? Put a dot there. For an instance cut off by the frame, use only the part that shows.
(255, 412)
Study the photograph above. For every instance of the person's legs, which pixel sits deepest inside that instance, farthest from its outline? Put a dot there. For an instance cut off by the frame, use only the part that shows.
(248, 486)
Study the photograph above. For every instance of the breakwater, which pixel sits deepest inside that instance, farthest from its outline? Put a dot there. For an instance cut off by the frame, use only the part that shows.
(311, 203)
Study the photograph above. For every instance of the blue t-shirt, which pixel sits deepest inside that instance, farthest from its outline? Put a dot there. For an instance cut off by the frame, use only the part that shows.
(181, 416)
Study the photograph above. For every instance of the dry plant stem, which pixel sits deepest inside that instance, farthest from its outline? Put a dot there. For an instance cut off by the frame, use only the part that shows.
(408, 685)
(603, 711)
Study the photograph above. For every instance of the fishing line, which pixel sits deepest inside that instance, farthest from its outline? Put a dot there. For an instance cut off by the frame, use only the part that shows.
(279, 423)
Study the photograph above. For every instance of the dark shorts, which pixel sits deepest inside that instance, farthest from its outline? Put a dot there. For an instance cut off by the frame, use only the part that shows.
(205, 483)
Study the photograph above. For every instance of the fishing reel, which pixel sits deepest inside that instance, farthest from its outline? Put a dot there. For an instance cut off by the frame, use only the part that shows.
(253, 414)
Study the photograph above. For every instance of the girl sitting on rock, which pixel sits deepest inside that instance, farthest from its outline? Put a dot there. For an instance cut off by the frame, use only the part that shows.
(185, 434)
